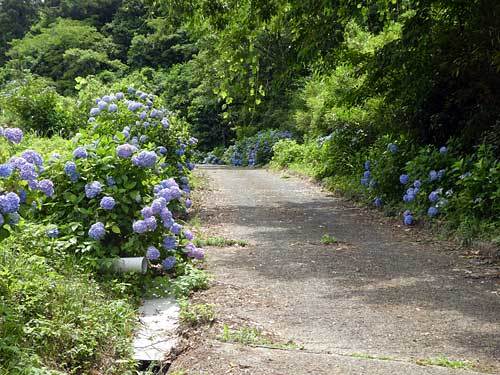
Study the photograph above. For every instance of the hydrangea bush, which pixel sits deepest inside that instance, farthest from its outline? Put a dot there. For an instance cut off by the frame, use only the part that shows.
(255, 150)
(126, 188)
(24, 185)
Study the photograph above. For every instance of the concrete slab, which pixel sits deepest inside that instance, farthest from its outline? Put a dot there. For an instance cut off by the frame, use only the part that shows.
(157, 334)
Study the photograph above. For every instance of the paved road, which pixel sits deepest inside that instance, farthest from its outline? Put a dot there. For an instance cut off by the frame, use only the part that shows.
(381, 292)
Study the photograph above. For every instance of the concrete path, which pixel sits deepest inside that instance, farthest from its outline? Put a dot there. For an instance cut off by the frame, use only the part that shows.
(381, 292)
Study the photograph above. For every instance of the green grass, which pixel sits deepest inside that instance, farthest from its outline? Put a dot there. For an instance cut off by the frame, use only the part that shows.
(328, 240)
(196, 314)
(219, 242)
(252, 337)
(369, 356)
(445, 362)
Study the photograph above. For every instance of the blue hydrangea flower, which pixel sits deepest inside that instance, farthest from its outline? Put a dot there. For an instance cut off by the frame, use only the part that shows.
(119, 95)
(443, 150)
(94, 111)
(110, 181)
(113, 108)
(441, 173)
(175, 192)
(165, 123)
(5, 170)
(162, 150)
(28, 172)
(125, 151)
(14, 135)
(53, 233)
(46, 187)
(408, 220)
(145, 159)
(140, 226)
(80, 153)
(9, 203)
(404, 178)
(107, 99)
(365, 181)
(143, 138)
(107, 203)
(152, 253)
(70, 168)
(169, 242)
(2, 220)
(377, 202)
(102, 105)
(93, 189)
(23, 195)
(417, 184)
(165, 214)
(432, 211)
(433, 196)
(367, 165)
(176, 228)
(433, 176)
(32, 157)
(97, 231)
(367, 174)
(189, 203)
(169, 263)
(143, 115)
(392, 148)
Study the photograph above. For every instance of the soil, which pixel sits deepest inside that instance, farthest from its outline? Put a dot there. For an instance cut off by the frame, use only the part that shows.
(380, 300)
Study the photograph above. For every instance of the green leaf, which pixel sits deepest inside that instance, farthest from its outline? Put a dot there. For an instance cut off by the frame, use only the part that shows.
(115, 229)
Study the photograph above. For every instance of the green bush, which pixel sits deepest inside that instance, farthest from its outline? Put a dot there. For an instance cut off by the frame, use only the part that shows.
(34, 104)
(53, 316)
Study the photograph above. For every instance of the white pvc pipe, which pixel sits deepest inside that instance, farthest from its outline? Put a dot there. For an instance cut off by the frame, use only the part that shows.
(135, 264)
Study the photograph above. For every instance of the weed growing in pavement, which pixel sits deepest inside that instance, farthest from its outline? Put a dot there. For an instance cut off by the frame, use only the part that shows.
(328, 240)
(445, 362)
(219, 242)
(253, 337)
(196, 314)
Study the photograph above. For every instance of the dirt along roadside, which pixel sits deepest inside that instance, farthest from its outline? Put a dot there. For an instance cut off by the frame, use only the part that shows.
(374, 300)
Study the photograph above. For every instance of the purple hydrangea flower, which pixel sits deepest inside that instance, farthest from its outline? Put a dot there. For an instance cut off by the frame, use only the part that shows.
(188, 234)
(108, 203)
(377, 202)
(157, 205)
(169, 242)
(433, 196)
(140, 226)
(46, 187)
(417, 184)
(364, 181)
(145, 159)
(125, 151)
(110, 181)
(97, 231)
(14, 135)
(53, 233)
(102, 105)
(113, 108)
(151, 223)
(152, 253)
(367, 165)
(9, 203)
(5, 170)
(70, 168)
(165, 123)
(404, 178)
(147, 212)
(189, 203)
(80, 153)
(32, 157)
(432, 211)
(176, 228)
(119, 95)
(143, 138)
(23, 195)
(175, 192)
(93, 189)
(367, 175)
(169, 263)
(162, 150)
(2, 220)
(143, 115)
